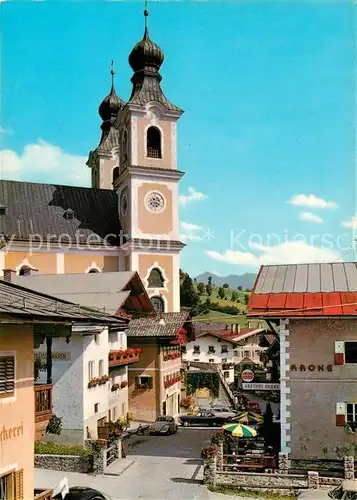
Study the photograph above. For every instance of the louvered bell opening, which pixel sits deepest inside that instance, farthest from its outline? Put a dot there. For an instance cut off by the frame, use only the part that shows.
(154, 153)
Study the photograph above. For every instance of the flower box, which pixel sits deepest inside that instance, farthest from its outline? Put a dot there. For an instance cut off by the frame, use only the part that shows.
(115, 387)
(123, 384)
(208, 452)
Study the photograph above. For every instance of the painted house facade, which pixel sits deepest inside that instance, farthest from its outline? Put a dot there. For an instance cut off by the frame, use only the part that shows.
(313, 308)
(90, 375)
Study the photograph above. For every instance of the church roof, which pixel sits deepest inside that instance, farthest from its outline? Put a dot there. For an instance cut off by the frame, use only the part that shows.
(37, 211)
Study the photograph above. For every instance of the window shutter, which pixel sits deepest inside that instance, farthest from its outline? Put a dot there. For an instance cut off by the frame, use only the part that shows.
(10, 374)
(2, 375)
(340, 414)
(339, 353)
(19, 485)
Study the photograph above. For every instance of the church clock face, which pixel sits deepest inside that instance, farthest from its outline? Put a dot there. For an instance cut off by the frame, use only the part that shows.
(124, 204)
(155, 202)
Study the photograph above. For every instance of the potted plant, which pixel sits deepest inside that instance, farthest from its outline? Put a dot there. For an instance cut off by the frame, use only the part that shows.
(115, 387)
(208, 452)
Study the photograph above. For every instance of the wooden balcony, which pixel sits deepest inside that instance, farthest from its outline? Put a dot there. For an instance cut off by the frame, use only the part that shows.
(43, 408)
(43, 495)
(122, 358)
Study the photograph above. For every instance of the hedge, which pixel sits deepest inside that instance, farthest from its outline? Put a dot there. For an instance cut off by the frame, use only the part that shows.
(60, 449)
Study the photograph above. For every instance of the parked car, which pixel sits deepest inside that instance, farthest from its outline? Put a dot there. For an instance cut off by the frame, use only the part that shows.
(82, 493)
(203, 418)
(254, 406)
(164, 425)
(223, 411)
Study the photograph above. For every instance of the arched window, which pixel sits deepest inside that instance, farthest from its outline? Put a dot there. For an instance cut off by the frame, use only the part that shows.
(125, 146)
(115, 173)
(153, 142)
(156, 279)
(93, 270)
(158, 304)
(25, 271)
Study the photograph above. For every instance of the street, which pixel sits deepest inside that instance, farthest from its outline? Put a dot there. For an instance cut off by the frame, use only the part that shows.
(156, 468)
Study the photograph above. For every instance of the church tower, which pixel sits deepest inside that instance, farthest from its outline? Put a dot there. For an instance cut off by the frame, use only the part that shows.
(147, 178)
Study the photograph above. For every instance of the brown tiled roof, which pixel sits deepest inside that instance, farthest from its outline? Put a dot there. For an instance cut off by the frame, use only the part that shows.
(150, 326)
(18, 301)
(37, 209)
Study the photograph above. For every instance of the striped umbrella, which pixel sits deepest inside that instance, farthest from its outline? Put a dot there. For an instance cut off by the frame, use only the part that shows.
(240, 430)
(248, 417)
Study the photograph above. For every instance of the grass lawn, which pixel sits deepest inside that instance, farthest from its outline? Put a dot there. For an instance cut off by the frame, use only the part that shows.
(219, 317)
(48, 448)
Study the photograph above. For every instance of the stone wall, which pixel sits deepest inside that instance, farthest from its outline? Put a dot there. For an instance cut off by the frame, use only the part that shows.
(66, 463)
(254, 480)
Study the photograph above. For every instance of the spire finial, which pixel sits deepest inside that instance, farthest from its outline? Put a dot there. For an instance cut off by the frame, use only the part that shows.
(112, 71)
(146, 15)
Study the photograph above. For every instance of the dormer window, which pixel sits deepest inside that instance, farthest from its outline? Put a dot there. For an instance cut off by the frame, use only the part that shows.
(156, 279)
(69, 214)
(153, 142)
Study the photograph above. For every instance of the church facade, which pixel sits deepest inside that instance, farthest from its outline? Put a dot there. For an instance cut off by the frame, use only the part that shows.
(128, 220)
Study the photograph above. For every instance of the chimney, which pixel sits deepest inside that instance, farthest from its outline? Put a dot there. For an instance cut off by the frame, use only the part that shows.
(9, 275)
(237, 328)
(249, 324)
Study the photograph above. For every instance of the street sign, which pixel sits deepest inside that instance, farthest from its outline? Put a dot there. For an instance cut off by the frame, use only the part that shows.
(247, 375)
(260, 387)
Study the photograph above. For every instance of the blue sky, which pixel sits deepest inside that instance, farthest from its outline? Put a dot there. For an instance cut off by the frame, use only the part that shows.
(268, 130)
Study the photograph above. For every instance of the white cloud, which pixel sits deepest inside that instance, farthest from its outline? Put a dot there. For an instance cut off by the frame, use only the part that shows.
(312, 201)
(351, 224)
(310, 217)
(190, 227)
(190, 231)
(44, 162)
(193, 195)
(292, 252)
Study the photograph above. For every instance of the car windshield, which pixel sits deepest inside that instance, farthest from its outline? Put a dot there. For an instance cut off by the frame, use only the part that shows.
(161, 419)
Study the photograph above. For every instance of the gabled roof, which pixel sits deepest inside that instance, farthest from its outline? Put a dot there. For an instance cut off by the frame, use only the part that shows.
(104, 291)
(37, 209)
(217, 335)
(20, 302)
(305, 290)
(150, 326)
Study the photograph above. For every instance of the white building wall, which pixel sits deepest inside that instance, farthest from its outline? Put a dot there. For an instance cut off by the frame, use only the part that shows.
(67, 376)
(205, 356)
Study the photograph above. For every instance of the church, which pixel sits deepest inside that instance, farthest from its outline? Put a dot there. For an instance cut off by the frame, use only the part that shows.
(128, 220)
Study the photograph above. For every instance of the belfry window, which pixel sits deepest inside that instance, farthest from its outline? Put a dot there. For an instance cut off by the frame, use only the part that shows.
(158, 304)
(156, 279)
(153, 142)
(115, 173)
(125, 146)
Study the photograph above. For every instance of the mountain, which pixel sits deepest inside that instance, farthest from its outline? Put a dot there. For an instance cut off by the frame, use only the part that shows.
(233, 280)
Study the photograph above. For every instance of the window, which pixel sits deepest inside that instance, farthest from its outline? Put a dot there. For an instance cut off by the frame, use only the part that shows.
(125, 146)
(25, 271)
(144, 382)
(7, 375)
(101, 368)
(7, 487)
(196, 359)
(236, 353)
(158, 304)
(351, 415)
(153, 142)
(68, 214)
(90, 370)
(156, 279)
(2, 210)
(114, 414)
(113, 337)
(257, 354)
(93, 270)
(96, 407)
(196, 349)
(246, 354)
(224, 348)
(211, 360)
(226, 374)
(350, 352)
(115, 173)
(183, 349)
(224, 360)
(211, 349)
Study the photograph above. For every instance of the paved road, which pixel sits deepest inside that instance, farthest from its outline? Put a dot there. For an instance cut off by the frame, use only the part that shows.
(156, 468)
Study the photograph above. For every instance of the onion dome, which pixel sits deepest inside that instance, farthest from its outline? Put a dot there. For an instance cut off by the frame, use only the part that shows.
(146, 54)
(111, 104)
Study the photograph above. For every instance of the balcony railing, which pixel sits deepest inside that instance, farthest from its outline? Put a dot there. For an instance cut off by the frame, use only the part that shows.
(43, 495)
(43, 402)
(121, 358)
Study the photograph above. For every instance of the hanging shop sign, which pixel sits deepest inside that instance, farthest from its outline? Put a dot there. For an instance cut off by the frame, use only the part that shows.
(311, 368)
(260, 387)
(247, 375)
